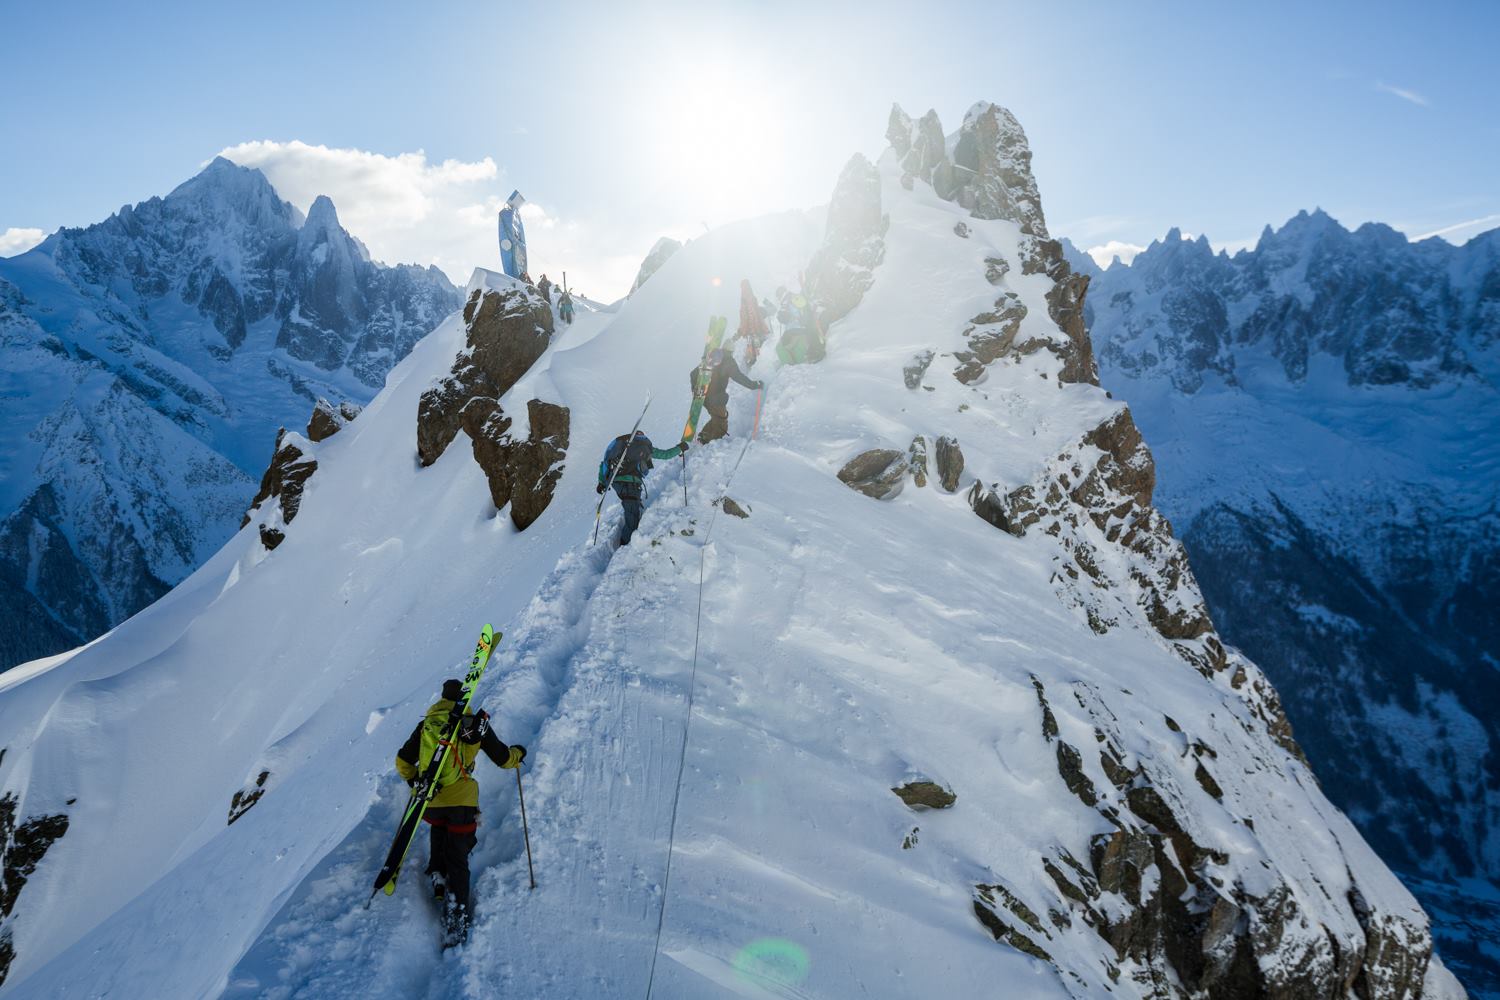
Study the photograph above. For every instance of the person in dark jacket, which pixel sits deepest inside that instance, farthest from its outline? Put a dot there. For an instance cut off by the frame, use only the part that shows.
(721, 368)
(453, 814)
(545, 287)
(630, 481)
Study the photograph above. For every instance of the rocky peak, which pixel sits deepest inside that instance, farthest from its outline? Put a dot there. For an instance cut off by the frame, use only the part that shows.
(225, 188)
(1389, 311)
(661, 251)
(992, 146)
(842, 270)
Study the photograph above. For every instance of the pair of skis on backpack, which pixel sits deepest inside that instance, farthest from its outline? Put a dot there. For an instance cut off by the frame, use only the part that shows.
(426, 787)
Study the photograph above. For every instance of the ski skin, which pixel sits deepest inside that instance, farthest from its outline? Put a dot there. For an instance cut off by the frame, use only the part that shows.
(426, 786)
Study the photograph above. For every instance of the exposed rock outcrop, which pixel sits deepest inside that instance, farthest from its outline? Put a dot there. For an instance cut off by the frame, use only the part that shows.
(21, 847)
(912, 373)
(523, 473)
(950, 463)
(842, 270)
(1099, 493)
(925, 795)
(916, 460)
(279, 498)
(877, 473)
(659, 254)
(994, 166)
(507, 331)
(327, 419)
(247, 797)
(1155, 887)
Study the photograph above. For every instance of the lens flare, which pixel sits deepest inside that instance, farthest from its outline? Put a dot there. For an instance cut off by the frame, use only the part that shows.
(772, 961)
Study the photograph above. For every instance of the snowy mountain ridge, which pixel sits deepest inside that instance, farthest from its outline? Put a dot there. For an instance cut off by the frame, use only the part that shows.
(150, 360)
(1324, 409)
(951, 579)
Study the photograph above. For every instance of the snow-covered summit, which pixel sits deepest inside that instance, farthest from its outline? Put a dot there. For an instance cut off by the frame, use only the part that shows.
(944, 711)
(150, 360)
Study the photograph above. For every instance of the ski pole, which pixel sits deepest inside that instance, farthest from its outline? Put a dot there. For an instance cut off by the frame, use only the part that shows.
(524, 831)
(684, 479)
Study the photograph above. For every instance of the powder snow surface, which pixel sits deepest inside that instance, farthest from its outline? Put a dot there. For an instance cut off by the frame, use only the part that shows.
(847, 645)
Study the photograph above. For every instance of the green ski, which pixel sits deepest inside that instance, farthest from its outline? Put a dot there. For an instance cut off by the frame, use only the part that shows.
(716, 327)
(426, 784)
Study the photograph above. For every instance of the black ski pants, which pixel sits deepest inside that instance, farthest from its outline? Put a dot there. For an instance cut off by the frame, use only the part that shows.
(454, 832)
(633, 504)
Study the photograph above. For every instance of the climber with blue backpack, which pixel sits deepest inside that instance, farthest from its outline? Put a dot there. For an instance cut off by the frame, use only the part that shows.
(633, 456)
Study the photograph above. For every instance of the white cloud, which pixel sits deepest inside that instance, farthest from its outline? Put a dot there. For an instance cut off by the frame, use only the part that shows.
(14, 241)
(1105, 253)
(408, 209)
(1404, 94)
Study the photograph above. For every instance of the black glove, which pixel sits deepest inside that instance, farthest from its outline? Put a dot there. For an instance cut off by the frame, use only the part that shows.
(599, 489)
(682, 447)
(474, 727)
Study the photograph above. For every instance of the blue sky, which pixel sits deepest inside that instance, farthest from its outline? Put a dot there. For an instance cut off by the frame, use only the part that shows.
(623, 122)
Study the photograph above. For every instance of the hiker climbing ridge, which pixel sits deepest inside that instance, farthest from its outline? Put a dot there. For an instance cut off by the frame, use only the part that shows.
(692, 688)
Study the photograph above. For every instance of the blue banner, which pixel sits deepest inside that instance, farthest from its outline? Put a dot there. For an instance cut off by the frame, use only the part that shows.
(513, 237)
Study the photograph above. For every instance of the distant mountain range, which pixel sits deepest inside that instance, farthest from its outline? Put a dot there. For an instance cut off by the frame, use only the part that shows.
(1323, 409)
(150, 360)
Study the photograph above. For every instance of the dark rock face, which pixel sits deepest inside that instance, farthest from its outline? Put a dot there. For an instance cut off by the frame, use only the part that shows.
(22, 848)
(992, 336)
(327, 420)
(842, 270)
(522, 473)
(989, 900)
(659, 255)
(1153, 889)
(280, 495)
(995, 163)
(247, 797)
(1100, 494)
(916, 460)
(912, 373)
(877, 473)
(507, 332)
(925, 795)
(950, 463)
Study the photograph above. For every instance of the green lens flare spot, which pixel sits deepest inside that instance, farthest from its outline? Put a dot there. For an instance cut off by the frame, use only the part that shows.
(772, 961)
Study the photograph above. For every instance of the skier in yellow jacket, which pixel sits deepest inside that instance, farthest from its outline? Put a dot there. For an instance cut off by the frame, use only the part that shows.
(454, 810)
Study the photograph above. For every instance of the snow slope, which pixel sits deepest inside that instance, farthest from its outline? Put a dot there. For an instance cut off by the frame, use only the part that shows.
(847, 646)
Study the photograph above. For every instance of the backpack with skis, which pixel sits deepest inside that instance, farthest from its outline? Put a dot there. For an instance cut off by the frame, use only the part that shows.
(716, 327)
(427, 783)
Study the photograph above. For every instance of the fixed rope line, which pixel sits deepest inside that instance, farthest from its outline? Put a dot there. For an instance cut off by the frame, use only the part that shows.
(661, 918)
